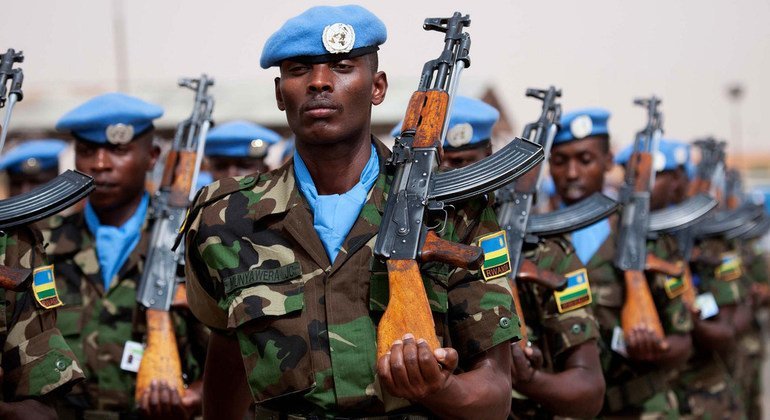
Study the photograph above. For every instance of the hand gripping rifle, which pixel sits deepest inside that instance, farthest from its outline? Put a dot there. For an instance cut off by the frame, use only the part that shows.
(418, 192)
(638, 306)
(161, 277)
(43, 201)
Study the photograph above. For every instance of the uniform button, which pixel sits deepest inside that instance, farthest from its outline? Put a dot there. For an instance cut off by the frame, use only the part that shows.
(576, 329)
(505, 322)
(61, 365)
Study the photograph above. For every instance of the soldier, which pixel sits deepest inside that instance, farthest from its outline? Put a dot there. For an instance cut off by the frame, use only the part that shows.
(281, 266)
(559, 372)
(98, 255)
(36, 363)
(636, 374)
(32, 163)
(238, 148)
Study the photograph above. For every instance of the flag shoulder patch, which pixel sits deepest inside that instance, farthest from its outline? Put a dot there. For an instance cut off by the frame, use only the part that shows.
(497, 262)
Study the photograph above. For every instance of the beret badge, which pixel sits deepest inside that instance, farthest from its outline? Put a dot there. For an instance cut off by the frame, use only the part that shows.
(338, 38)
(119, 133)
(459, 135)
(581, 126)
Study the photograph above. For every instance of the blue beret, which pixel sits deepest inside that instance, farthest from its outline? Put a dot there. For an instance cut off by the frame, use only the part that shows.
(671, 154)
(582, 123)
(325, 33)
(33, 156)
(110, 118)
(470, 124)
(240, 139)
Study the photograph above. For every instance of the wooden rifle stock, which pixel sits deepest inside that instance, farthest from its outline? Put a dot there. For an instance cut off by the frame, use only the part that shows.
(161, 357)
(13, 278)
(519, 311)
(639, 307)
(688, 296)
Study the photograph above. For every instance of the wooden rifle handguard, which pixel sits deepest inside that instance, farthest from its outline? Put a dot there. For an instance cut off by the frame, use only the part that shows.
(661, 266)
(639, 307)
(161, 356)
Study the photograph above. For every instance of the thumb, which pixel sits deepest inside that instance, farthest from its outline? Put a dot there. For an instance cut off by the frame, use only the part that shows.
(447, 357)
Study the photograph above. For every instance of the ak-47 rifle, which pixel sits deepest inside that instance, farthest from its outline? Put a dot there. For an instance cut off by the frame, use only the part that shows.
(418, 192)
(43, 201)
(161, 279)
(639, 307)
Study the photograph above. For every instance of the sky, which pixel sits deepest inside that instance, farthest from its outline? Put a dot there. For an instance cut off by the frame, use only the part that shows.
(600, 52)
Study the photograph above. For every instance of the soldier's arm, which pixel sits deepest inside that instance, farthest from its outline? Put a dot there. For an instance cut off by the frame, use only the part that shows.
(227, 394)
(30, 409)
(575, 391)
(717, 333)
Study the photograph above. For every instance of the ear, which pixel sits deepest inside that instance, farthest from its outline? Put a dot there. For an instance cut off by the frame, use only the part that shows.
(379, 87)
(278, 95)
(609, 161)
(154, 153)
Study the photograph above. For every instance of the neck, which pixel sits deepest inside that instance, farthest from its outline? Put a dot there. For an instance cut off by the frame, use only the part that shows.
(118, 216)
(336, 168)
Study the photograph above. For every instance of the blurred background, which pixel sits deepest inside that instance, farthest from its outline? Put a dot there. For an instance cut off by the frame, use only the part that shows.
(709, 61)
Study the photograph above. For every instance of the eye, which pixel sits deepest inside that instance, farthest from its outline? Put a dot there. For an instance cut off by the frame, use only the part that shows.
(343, 65)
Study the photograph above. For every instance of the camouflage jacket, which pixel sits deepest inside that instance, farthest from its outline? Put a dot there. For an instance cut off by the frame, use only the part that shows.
(97, 324)
(608, 290)
(35, 358)
(307, 326)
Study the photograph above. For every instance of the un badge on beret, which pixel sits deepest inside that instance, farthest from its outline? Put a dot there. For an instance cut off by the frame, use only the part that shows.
(339, 38)
(119, 133)
(459, 135)
(257, 148)
(581, 126)
(31, 166)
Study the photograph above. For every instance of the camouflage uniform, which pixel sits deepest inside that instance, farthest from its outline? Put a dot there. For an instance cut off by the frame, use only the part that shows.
(553, 332)
(634, 389)
(307, 327)
(36, 360)
(704, 386)
(755, 271)
(97, 324)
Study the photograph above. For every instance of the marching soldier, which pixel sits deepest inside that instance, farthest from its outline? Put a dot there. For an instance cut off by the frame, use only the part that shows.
(32, 163)
(98, 255)
(635, 371)
(559, 373)
(281, 266)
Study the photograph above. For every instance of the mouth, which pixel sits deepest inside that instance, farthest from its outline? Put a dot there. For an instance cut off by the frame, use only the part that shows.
(320, 108)
(574, 192)
(104, 185)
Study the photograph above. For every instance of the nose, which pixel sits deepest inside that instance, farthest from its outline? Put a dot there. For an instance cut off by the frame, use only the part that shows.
(102, 160)
(572, 169)
(321, 79)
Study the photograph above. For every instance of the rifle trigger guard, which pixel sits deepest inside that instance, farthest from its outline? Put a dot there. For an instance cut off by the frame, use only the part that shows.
(438, 206)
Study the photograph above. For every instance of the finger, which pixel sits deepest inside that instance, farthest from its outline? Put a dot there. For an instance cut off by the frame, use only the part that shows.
(164, 396)
(537, 358)
(412, 362)
(448, 358)
(429, 366)
(397, 367)
(521, 364)
(144, 404)
(383, 372)
(154, 398)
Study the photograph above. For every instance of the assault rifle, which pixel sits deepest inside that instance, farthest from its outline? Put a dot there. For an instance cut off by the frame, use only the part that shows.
(418, 193)
(162, 275)
(43, 201)
(639, 307)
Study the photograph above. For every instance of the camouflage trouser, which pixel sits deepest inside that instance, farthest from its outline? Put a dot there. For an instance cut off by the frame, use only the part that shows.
(748, 373)
(708, 392)
(662, 405)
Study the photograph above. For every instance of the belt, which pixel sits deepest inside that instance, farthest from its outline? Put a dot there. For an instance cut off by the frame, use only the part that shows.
(634, 391)
(267, 414)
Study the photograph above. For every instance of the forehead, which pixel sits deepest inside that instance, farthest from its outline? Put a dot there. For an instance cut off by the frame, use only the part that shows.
(310, 61)
(591, 144)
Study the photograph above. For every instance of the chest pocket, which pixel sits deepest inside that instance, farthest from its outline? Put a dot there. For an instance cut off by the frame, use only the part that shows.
(272, 330)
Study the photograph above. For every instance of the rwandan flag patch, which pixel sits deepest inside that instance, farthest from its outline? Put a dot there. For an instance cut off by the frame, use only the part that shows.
(577, 293)
(497, 262)
(675, 286)
(730, 269)
(44, 287)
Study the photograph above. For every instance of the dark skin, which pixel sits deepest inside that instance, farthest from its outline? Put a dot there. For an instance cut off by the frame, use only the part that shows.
(576, 390)
(119, 176)
(663, 190)
(28, 409)
(328, 108)
(118, 172)
(229, 166)
(22, 183)
(578, 169)
(455, 159)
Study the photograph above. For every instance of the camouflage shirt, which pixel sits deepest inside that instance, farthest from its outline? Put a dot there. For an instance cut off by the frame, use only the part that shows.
(97, 324)
(35, 358)
(608, 290)
(307, 326)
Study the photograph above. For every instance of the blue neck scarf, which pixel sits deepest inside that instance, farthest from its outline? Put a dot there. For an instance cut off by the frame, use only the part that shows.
(588, 239)
(334, 215)
(114, 244)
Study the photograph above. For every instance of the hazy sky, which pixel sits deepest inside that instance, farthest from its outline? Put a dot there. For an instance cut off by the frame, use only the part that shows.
(601, 53)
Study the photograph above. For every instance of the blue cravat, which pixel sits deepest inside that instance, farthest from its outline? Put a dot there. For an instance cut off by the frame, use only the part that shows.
(588, 239)
(114, 244)
(334, 215)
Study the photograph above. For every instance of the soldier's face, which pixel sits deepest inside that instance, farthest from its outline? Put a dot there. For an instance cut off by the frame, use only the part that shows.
(455, 159)
(663, 190)
(118, 170)
(225, 166)
(22, 183)
(578, 168)
(329, 102)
